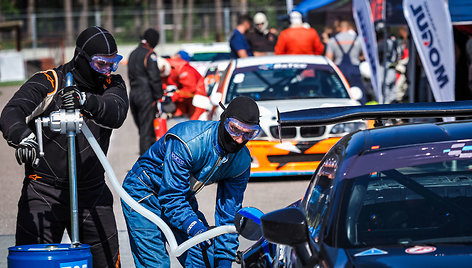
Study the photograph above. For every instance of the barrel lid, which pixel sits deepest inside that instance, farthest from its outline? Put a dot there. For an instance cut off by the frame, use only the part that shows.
(48, 247)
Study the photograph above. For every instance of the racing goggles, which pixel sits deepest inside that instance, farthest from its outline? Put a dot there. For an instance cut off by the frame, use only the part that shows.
(104, 64)
(237, 128)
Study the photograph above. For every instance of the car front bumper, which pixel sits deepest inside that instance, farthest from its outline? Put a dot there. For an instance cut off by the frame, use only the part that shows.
(272, 158)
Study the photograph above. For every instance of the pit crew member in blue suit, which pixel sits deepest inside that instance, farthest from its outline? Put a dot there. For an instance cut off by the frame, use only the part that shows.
(167, 177)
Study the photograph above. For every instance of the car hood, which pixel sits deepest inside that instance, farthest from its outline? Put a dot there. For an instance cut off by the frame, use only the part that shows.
(269, 108)
(419, 256)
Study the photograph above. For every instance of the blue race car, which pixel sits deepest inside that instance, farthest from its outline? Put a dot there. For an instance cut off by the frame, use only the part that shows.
(392, 196)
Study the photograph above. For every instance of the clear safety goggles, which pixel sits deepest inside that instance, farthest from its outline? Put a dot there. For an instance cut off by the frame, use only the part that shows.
(104, 64)
(237, 128)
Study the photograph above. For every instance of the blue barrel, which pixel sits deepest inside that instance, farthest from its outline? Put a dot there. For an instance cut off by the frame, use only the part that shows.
(50, 256)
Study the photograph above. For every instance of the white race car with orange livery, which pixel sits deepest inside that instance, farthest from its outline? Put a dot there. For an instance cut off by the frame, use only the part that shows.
(285, 83)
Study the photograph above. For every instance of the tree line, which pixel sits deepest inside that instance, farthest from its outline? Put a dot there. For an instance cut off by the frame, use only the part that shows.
(183, 13)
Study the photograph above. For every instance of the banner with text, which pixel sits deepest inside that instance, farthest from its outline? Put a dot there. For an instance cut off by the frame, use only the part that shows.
(365, 26)
(431, 28)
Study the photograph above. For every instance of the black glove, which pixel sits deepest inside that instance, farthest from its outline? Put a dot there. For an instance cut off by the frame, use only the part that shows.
(205, 245)
(167, 105)
(27, 151)
(72, 98)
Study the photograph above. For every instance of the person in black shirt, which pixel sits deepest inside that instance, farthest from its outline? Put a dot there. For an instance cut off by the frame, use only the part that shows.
(43, 208)
(260, 39)
(146, 87)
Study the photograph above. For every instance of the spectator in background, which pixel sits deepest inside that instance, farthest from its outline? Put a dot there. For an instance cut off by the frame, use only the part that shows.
(146, 87)
(337, 25)
(188, 82)
(462, 90)
(238, 43)
(388, 57)
(401, 82)
(345, 49)
(260, 39)
(327, 33)
(299, 38)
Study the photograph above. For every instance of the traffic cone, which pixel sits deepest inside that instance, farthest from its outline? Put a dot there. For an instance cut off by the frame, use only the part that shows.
(160, 127)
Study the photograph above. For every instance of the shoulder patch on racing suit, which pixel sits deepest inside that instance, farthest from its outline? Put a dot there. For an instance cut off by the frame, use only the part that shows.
(51, 76)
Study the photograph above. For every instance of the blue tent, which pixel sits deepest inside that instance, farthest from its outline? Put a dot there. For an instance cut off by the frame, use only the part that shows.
(308, 5)
(461, 11)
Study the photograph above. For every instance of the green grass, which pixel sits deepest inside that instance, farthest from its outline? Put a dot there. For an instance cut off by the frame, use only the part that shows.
(12, 83)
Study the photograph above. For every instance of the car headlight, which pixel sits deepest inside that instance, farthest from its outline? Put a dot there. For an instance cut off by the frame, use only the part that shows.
(347, 127)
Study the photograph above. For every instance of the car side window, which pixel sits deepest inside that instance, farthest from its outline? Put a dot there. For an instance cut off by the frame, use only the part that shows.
(318, 198)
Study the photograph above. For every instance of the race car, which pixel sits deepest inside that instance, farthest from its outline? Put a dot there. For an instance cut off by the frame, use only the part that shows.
(202, 54)
(284, 83)
(392, 196)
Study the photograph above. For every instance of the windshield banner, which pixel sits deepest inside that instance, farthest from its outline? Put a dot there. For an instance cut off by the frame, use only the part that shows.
(363, 18)
(431, 28)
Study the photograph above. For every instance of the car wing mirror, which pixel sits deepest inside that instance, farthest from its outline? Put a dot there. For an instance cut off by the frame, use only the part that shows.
(248, 223)
(285, 226)
(215, 97)
(202, 102)
(288, 226)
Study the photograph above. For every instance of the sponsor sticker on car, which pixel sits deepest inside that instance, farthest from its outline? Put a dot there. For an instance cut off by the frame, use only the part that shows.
(370, 252)
(420, 250)
(290, 66)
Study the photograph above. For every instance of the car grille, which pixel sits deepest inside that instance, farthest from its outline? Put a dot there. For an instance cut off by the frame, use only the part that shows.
(291, 132)
(308, 132)
(287, 133)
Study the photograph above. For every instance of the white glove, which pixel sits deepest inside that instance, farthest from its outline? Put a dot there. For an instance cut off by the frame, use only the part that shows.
(170, 90)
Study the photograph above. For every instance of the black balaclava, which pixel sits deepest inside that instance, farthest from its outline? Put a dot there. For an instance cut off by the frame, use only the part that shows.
(243, 109)
(152, 37)
(92, 41)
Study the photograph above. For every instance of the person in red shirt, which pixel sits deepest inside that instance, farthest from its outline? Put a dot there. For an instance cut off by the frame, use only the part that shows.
(188, 82)
(299, 38)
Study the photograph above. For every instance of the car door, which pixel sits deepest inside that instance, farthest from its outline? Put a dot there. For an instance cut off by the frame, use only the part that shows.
(315, 204)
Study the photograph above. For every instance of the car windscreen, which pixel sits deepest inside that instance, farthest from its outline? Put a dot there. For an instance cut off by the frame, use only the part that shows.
(285, 81)
(423, 197)
(210, 56)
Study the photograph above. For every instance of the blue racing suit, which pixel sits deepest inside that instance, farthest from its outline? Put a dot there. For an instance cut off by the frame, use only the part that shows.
(165, 180)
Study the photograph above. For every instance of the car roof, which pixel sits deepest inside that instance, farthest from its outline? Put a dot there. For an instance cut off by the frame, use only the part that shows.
(408, 135)
(252, 61)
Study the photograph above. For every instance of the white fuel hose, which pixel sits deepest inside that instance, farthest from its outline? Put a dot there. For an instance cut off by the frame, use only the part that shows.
(174, 249)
